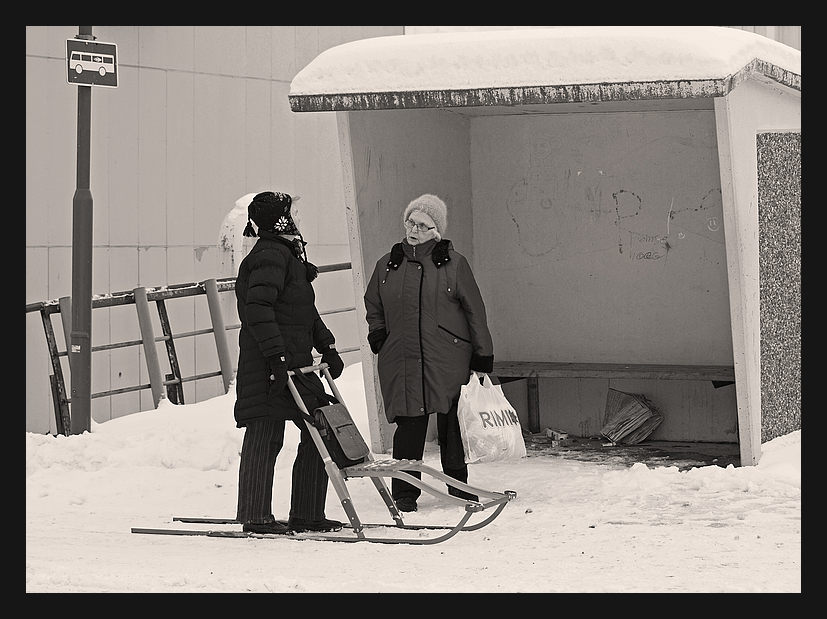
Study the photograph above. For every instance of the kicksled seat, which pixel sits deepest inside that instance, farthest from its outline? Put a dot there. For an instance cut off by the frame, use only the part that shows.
(490, 503)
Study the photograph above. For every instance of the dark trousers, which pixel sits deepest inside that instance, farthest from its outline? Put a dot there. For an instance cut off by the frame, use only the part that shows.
(262, 442)
(409, 444)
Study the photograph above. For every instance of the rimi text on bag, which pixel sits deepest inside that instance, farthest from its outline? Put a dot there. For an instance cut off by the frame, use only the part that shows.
(488, 423)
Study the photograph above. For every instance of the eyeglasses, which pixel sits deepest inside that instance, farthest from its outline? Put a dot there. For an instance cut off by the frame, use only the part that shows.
(421, 227)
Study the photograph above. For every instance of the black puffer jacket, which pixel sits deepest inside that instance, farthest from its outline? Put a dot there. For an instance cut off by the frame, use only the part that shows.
(277, 308)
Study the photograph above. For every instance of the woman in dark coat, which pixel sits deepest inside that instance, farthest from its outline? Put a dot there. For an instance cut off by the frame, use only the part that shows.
(426, 320)
(279, 328)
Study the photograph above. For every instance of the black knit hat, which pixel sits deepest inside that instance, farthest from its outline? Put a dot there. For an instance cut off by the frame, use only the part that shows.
(271, 211)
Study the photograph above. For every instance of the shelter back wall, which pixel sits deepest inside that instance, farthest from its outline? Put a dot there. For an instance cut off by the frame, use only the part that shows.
(602, 235)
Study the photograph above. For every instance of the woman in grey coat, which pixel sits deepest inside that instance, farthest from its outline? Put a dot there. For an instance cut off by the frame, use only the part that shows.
(427, 323)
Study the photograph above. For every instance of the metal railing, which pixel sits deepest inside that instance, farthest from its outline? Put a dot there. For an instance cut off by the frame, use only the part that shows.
(170, 385)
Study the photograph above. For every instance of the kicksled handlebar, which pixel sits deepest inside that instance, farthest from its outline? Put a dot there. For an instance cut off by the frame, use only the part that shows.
(308, 369)
(305, 370)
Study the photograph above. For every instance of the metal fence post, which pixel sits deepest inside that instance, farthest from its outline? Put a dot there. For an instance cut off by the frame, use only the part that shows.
(153, 365)
(63, 419)
(174, 384)
(219, 332)
(65, 304)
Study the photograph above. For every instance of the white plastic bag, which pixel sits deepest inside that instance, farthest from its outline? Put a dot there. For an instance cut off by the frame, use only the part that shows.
(488, 423)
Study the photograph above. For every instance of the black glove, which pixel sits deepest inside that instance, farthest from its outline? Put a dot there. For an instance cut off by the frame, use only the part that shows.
(482, 364)
(376, 339)
(334, 362)
(278, 373)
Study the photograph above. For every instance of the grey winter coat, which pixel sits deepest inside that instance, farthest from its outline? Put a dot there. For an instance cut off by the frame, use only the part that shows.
(426, 318)
(277, 307)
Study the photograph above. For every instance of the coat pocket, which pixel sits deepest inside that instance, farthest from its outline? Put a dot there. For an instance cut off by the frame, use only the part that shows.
(454, 336)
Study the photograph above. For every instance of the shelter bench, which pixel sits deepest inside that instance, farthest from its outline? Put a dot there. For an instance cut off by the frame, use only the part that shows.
(507, 371)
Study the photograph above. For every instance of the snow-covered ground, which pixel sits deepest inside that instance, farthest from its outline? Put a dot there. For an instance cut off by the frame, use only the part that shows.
(574, 527)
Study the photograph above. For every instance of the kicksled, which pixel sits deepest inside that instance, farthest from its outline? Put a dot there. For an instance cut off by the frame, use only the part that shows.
(488, 506)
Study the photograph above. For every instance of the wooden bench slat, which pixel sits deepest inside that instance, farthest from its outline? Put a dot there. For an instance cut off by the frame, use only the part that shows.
(551, 369)
(532, 370)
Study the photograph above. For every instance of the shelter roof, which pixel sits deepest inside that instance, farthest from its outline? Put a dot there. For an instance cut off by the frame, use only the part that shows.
(540, 66)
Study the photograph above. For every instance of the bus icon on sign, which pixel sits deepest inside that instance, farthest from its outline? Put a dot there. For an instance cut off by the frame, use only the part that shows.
(100, 63)
(91, 63)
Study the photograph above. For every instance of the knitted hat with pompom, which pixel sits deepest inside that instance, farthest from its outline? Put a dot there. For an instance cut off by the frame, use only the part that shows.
(271, 211)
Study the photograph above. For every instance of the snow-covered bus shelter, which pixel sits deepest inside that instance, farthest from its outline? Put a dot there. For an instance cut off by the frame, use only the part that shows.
(605, 184)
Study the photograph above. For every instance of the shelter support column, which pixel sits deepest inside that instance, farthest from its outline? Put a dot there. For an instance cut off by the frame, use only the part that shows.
(741, 235)
(381, 432)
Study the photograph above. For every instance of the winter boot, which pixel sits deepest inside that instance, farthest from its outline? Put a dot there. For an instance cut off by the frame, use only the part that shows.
(461, 494)
(268, 528)
(300, 525)
(406, 504)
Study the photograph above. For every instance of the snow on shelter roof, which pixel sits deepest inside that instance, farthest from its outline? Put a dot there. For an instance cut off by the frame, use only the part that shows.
(551, 65)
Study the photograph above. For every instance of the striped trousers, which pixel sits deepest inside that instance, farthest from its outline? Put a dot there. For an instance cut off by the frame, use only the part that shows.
(263, 439)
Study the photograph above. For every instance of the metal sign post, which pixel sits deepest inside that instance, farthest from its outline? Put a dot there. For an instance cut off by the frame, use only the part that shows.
(88, 64)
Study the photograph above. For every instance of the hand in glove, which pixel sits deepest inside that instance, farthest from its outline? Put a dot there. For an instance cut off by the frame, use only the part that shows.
(484, 364)
(376, 339)
(334, 362)
(278, 374)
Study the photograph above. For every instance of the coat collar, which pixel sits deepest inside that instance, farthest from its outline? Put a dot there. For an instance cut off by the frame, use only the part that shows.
(439, 252)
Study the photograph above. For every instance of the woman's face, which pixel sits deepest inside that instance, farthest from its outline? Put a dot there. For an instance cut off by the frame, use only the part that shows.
(419, 228)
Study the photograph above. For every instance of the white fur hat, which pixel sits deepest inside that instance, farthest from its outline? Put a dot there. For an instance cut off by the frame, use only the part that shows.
(433, 207)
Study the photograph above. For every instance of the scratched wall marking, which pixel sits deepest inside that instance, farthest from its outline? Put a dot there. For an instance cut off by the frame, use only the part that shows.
(577, 196)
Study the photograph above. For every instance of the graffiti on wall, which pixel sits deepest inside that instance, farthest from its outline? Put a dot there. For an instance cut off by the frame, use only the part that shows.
(622, 191)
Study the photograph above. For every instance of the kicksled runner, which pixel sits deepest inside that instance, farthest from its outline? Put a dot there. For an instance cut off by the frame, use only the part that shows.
(338, 440)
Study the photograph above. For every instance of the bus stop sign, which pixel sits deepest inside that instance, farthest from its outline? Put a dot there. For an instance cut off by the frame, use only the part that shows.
(91, 63)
